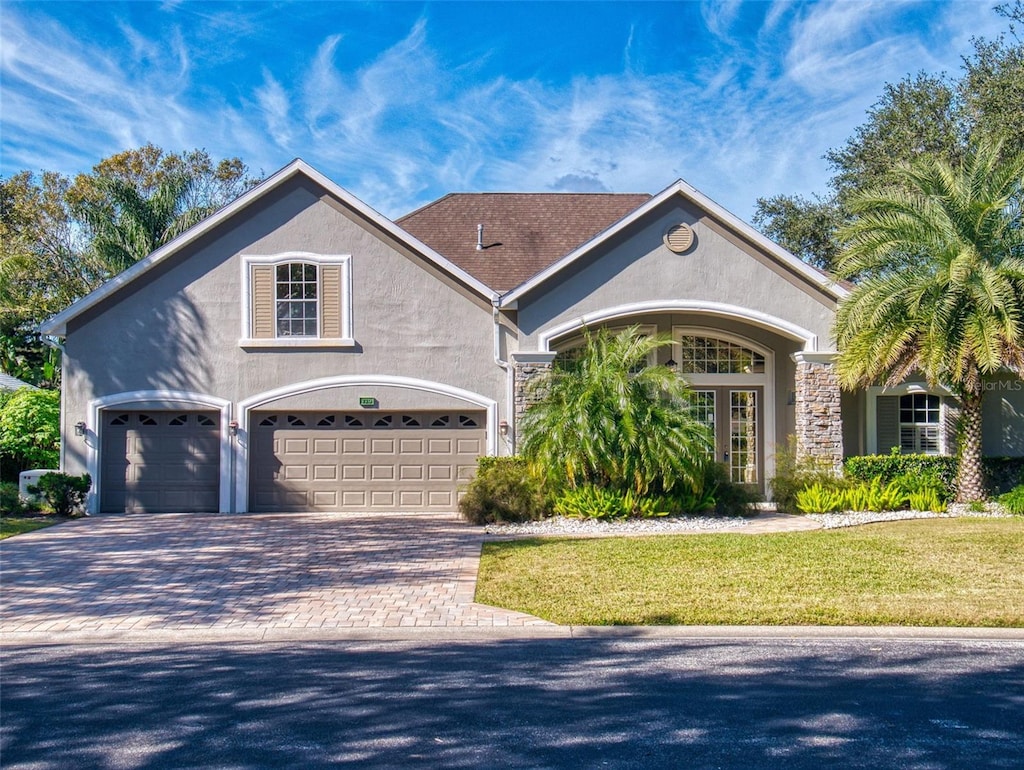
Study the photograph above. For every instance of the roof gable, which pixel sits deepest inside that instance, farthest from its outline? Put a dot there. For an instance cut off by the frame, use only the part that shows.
(523, 233)
(794, 264)
(57, 325)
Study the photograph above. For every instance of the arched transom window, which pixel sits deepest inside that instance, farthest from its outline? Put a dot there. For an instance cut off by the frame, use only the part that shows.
(712, 355)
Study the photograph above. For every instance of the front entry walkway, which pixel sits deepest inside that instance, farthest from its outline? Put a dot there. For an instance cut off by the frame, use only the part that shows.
(253, 576)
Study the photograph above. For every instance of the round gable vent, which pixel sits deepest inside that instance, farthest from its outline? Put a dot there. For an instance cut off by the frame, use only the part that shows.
(679, 238)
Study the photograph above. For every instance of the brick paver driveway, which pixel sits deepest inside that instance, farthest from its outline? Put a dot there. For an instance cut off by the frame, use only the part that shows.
(257, 575)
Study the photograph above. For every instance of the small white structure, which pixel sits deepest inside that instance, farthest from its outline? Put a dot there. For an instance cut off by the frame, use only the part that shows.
(28, 479)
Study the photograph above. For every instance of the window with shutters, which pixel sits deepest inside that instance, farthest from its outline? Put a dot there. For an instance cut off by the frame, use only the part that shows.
(297, 299)
(911, 420)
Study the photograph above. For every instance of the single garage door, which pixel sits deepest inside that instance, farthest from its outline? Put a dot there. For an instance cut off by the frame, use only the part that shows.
(363, 461)
(160, 462)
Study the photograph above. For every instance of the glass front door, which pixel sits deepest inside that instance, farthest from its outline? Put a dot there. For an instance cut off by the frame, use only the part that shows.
(734, 416)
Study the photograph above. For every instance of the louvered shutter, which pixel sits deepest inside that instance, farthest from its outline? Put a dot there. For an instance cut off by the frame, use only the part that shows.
(330, 302)
(950, 424)
(887, 423)
(263, 312)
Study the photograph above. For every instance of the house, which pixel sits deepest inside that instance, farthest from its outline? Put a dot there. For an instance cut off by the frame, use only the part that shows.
(298, 351)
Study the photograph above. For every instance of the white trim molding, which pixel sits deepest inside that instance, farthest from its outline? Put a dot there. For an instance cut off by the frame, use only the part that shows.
(753, 317)
(246, 406)
(158, 400)
(344, 261)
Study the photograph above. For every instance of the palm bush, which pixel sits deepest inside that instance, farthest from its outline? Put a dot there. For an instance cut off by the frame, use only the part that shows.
(605, 419)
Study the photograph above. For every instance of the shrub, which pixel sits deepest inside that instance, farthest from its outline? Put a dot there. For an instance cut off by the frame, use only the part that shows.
(873, 496)
(63, 492)
(727, 497)
(30, 428)
(819, 498)
(592, 502)
(502, 491)
(887, 468)
(1002, 474)
(793, 475)
(1013, 501)
(10, 498)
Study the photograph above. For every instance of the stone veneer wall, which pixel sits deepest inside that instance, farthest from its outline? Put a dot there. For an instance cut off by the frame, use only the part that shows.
(524, 373)
(819, 419)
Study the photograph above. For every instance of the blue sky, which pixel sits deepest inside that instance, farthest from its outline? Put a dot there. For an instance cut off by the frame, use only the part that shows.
(401, 103)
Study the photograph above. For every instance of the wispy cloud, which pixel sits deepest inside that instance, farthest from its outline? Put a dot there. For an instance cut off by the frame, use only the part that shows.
(749, 116)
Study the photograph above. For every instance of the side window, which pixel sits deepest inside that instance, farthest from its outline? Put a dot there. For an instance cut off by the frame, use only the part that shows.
(306, 297)
(920, 424)
(297, 288)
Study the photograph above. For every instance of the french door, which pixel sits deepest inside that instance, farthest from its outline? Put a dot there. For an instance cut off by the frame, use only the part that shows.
(735, 416)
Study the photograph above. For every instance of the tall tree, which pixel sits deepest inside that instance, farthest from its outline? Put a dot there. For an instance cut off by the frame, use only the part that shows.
(59, 238)
(608, 419)
(940, 255)
(921, 115)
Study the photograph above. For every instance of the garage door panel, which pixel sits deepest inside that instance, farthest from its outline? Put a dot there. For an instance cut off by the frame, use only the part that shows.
(439, 446)
(325, 499)
(410, 472)
(439, 472)
(380, 461)
(325, 446)
(382, 446)
(295, 472)
(296, 446)
(382, 472)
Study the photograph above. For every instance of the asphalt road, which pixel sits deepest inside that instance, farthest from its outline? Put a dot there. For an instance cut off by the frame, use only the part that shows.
(615, 703)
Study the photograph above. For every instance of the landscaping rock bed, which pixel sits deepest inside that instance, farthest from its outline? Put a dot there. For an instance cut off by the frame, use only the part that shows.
(853, 518)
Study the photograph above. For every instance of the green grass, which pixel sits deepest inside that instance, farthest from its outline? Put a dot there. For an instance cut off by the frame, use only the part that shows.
(942, 572)
(17, 524)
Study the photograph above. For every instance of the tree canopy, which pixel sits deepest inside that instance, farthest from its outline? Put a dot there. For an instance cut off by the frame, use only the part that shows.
(923, 115)
(60, 238)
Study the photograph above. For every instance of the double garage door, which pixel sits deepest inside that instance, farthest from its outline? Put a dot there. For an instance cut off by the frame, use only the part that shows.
(362, 461)
(162, 461)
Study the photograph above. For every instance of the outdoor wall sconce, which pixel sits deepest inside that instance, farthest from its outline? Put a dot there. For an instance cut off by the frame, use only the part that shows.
(503, 427)
(791, 401)
(233, 427)
(80, 428)
(671, 364)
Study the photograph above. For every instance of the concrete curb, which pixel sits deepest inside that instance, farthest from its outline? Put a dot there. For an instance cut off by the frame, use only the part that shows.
(524, 633)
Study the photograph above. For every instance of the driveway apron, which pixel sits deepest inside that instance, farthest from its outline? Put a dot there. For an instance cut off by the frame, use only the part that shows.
(136, 576)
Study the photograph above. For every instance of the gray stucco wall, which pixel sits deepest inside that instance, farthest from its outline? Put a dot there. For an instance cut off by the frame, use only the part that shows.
(1002, 418)
(639, 267)
(178, 327)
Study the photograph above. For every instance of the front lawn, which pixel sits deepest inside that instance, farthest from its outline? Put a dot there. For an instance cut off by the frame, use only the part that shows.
(17, 523)
(941, 572)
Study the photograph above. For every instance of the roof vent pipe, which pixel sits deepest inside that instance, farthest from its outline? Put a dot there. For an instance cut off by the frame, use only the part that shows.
(479, 237)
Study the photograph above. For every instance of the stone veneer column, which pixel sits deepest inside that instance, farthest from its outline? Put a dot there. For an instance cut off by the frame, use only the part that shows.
(819, 419)
(526, 368)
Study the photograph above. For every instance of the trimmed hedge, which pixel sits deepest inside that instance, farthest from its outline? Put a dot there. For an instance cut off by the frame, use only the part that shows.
(1001, 473)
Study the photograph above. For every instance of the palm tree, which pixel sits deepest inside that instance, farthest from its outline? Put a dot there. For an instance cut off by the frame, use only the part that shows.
(128, 225)
(607, 419)
(940, 261)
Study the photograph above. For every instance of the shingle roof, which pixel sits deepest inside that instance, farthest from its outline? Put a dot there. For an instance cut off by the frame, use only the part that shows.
(523, 232)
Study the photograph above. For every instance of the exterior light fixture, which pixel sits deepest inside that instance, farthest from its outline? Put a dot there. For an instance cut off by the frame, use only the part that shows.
(233, 427)
(503, 427)
(671, 364)
(80, 428)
